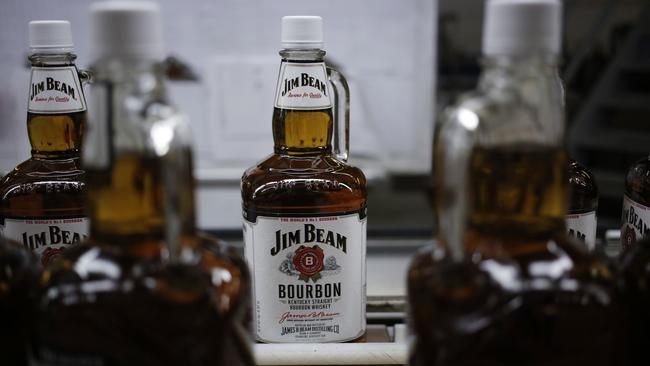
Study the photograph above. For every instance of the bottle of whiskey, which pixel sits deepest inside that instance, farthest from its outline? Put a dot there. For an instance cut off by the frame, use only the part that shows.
(504, 285)
(634, 267)
(19, 271)
(635, 223)
(583, 204)
(145, 289)
(304, 207)
(42, 198)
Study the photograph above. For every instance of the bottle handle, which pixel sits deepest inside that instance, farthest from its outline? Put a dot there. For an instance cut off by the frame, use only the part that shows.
(341, 114)
(85, 76)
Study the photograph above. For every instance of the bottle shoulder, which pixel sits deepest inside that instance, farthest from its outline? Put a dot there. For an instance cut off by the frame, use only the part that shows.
(555, 260)
(323, 170)
(315, 184)
(45, 176)
(583, 189)
(637, 181)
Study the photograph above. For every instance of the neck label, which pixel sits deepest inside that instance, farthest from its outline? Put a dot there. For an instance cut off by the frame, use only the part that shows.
(55, 90)
(303, 86)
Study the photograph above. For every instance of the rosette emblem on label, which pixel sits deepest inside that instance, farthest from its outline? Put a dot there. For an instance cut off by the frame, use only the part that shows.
(309, 262)
(628, 237)
(50, 255)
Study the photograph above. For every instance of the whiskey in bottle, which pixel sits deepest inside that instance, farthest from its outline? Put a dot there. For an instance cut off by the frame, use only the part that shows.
(635, 221)
(146, 289)
(304, 207)
(505, 285)
(43, 197)
(583, 203)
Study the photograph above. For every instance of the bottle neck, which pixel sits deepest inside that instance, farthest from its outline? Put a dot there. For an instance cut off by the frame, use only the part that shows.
(56, 115)
(139, 164)
(302, 117)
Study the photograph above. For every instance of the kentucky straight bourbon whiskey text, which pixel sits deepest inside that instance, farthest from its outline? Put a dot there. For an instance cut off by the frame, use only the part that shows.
(42, 198)
(305, 211)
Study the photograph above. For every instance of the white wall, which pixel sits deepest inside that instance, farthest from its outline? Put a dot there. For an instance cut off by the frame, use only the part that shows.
(386, 49)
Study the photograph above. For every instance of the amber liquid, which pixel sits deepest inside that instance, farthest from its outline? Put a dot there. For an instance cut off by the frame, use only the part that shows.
(51, 184)
(119, 302)
(302, 176)
(523, 295)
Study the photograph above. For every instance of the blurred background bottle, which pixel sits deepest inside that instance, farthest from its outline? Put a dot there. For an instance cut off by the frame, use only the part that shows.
(504, 283)
(635, 221)
(43, 197)
(144, 290)
(581, 216)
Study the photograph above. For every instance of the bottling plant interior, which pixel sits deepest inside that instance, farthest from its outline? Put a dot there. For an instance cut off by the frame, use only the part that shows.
(431, 182)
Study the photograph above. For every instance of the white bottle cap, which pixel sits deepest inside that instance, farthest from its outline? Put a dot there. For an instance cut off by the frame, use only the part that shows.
(126, 29)
(522, 27)
(50, 36)
(302, 31)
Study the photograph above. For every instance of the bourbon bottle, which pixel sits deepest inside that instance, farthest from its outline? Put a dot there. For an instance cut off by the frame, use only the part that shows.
(635, 223)
(19, 270)
(304, 207)
(634, 264)
(145, 289)
(43, 197)
(583, 203)
(505, 285)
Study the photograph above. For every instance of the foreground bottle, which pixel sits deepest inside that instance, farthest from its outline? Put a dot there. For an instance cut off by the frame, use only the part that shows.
(43, 197)
(504, 286)
(635, 275)
(142, 291)
(19, 272)
(304, 207)
(581, 219)
(635, 223)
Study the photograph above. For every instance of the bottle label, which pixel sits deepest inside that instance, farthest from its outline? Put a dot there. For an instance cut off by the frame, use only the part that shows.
(46, 237)
(55, 90)
(303, 86)
(583, 227)
(636, 222)
(309, 276)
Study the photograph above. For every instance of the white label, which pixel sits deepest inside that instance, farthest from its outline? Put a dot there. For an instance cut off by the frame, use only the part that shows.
(635, 222)
(309, 277)
(55, 90)
(583, 227)
(47, 238)
(303, 86)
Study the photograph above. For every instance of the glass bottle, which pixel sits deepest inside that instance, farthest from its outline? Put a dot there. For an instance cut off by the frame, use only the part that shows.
(634, 268)
(583, 203)
(43, 197)
(19, 271)
(504, 285)
(304, 207)
(635, 221)
(145, 289)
